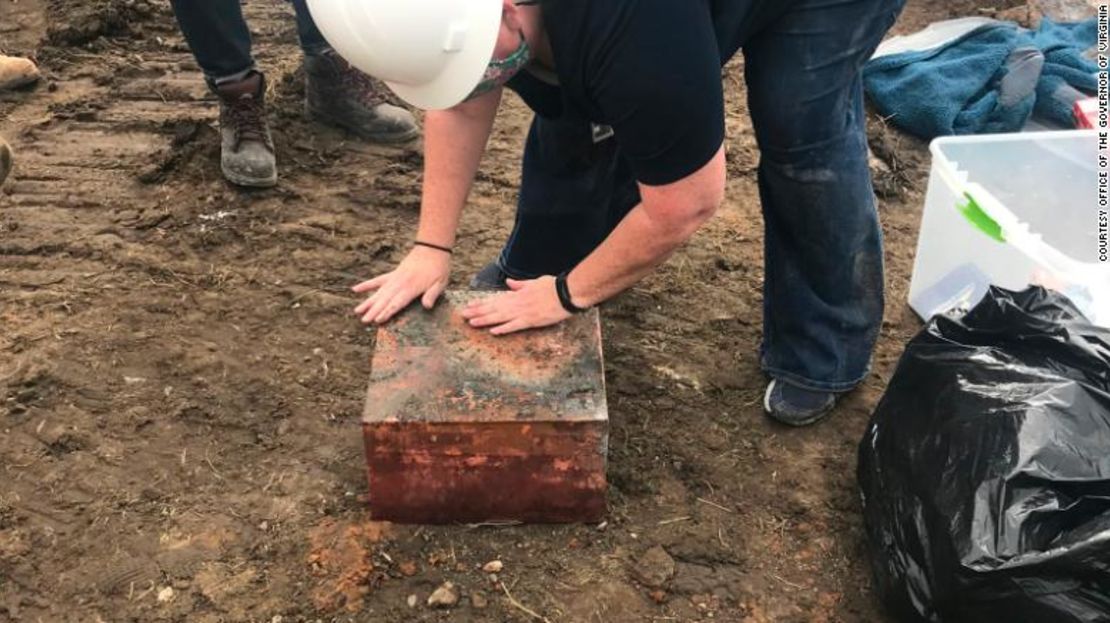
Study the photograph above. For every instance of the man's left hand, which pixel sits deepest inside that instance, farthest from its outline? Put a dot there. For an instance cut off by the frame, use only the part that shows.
(530, 304)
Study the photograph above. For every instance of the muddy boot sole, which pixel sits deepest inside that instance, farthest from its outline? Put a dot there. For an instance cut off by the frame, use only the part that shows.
(382, 138)
(18, 83)
(249, 182)
(5, 160)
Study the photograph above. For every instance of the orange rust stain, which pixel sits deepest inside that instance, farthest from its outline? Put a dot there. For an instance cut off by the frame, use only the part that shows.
(522, 355)
(340, 559)
(501, 475)
(756, 614)
(418, 457)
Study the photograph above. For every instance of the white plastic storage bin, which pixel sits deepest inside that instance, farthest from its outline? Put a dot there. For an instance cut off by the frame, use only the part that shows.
(1012, 210)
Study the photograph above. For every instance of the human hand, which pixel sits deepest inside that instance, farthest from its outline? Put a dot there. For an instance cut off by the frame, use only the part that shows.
(424, 271)
(531, 304)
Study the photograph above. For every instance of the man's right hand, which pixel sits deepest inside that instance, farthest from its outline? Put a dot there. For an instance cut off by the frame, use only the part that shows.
(424, 272)
(453, 146)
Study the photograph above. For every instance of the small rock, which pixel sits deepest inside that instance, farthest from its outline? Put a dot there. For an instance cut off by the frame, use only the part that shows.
(726, 265)
(493, 566)
(658, 595)
(655, 568)
(479, 601)
(408, 568)
(493, 579)
(165, 594)
(446, 596)
(411, 601)
(277, 619)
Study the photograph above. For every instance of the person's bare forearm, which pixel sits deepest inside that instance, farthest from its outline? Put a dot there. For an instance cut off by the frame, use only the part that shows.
(453, 147)
(652, 231)
(636, 247)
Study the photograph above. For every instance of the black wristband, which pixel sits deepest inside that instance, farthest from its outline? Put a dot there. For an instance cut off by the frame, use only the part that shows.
(563, 291)
(446, 250)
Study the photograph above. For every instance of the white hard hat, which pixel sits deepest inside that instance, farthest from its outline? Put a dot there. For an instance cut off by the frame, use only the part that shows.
(431, 53)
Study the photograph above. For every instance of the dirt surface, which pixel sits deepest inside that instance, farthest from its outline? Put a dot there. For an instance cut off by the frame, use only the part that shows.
(181, 383)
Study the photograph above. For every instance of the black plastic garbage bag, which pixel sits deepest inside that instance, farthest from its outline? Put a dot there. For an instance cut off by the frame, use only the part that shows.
(985, 470)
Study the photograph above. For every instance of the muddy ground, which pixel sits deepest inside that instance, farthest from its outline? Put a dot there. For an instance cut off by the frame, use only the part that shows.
(181, 383)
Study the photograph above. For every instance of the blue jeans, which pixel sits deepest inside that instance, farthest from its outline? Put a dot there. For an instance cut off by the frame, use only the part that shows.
(220, 40)
(823, 284)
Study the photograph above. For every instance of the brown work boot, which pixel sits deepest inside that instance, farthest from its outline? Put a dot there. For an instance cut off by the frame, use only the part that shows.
(340, 95)
(246, 148)
(5, 160)
(16, 72)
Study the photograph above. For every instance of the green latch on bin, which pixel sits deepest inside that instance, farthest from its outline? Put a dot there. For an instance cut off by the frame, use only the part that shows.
(980, 219)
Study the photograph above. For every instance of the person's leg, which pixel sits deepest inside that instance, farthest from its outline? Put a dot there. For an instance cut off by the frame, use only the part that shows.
(340, 95)
(823, 288)
(312, 40)
(218, 36)
(221, 43)
(574, 191)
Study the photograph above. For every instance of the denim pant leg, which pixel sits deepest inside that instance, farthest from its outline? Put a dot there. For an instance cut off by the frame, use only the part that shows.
(312, 41)
(573, 193)
(217, 34)
(823, 287)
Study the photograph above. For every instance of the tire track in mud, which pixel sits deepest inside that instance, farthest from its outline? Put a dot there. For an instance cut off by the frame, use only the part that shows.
(89, 138)
(114, 343)
(80, 142)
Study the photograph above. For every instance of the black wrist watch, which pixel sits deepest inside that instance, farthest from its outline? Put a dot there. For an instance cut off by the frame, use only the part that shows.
(564, 295)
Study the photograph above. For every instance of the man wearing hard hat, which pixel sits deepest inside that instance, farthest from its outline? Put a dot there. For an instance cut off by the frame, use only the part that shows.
(625, 158)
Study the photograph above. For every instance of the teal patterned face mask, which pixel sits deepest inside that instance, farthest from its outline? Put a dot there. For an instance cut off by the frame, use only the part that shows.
(500, 72)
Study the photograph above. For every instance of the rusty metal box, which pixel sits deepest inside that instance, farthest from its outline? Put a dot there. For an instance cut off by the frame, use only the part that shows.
(461, 426)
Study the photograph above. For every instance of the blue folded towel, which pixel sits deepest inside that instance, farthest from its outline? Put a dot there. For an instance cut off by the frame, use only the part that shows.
(1068, 75)
(991, 79)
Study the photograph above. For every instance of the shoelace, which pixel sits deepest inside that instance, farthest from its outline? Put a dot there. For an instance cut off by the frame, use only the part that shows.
(360, 85)
(247, 116)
